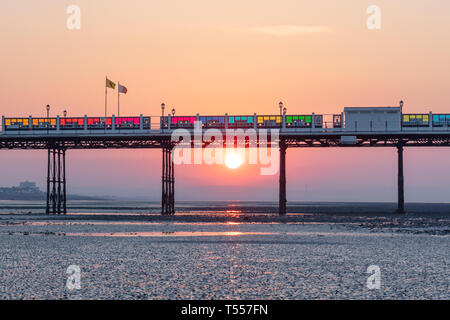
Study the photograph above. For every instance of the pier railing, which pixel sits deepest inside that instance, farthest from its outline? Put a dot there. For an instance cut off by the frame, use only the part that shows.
(155, 124)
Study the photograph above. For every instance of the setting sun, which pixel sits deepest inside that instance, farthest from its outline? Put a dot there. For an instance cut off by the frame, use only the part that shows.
(233, 160)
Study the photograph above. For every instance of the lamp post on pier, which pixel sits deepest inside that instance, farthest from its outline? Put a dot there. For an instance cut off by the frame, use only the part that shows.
(48, 116)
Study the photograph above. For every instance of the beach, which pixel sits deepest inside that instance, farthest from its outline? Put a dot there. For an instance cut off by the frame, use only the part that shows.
(237, 253)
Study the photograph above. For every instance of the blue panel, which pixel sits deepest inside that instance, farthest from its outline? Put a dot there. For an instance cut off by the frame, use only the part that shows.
(250, 120)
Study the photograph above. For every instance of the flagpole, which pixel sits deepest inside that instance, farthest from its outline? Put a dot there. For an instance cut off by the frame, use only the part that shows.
(106, 94)
(118, 99)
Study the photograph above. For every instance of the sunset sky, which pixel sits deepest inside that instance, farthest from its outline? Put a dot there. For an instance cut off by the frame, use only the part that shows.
(213, 57)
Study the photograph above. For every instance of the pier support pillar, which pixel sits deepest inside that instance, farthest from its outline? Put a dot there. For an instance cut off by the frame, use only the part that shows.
(168, 182)
(282, 189)
(64, 192)
(401, 191)
(56, 181)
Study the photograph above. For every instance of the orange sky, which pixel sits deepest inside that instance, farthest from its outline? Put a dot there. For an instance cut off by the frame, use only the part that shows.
(213, 57)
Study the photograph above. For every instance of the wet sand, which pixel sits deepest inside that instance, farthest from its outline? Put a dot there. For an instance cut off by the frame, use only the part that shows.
(233, 255)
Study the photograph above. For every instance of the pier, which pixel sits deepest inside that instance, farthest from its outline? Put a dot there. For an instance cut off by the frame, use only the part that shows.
(370, 127)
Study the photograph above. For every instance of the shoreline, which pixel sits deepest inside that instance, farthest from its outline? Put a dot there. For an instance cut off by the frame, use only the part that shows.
(411, 223)
(247, 207)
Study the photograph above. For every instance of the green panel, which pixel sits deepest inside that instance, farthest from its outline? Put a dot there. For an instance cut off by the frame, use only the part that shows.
(301, 118)
(288, 119)
(308, 118)
(295, 117)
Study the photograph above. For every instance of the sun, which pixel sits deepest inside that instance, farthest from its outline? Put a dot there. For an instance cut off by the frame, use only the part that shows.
(233, 160)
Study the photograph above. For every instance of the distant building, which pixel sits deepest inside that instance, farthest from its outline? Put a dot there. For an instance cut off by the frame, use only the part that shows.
(28, 190)
(25, 191)
(28, 185)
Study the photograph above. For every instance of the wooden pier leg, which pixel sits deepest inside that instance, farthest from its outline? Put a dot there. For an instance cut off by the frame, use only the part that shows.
(172, 182)
(282, 190)
(64, 181)
(169, 183)
(163, 180)
(167, 194)
(401, 191)
(167, 211)
(47, 210)
(59, 197)
(54, 182)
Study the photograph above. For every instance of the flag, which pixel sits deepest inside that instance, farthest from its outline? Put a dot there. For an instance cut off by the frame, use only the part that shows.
(122, 89)
(110, 84)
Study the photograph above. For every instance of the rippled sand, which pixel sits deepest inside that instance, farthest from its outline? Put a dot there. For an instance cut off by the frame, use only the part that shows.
(241, 257)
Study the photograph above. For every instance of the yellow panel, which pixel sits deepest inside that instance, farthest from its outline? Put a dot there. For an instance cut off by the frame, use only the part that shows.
(266, 118)
(425, 118)
(7, 122)
(272, 118)
(53, 122)
(412, 116)
(25, 122)
(18, 120)
(278, 119)
(260, 119)
(35, 122)
(419, 116)
(406, 118)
